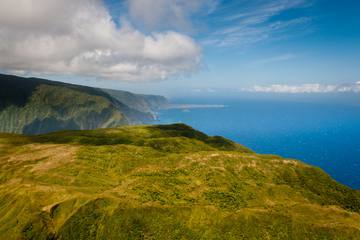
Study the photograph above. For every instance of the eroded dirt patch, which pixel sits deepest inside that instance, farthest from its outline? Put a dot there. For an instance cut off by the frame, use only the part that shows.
(42, 157)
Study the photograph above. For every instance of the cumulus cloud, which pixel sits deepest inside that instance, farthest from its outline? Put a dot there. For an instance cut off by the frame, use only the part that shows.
(80, 38)
(305, 88)
(168, 14)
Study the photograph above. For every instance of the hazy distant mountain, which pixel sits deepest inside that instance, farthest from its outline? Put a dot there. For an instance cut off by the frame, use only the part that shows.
(32, 106)
(140, 102)
(164, 182)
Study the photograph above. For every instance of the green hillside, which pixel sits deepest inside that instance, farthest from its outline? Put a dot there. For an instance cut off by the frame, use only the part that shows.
(140, 102)
(33, 106)
(164, 182)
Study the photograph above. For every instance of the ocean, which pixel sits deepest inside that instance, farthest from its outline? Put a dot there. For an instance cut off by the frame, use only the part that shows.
(320, 133)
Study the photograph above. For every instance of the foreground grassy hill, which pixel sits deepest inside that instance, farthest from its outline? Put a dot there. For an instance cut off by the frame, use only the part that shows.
(33, 106)
(164, 182)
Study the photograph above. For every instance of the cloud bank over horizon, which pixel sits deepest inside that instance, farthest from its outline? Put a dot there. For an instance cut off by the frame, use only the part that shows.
(58, 37)
(305, 88)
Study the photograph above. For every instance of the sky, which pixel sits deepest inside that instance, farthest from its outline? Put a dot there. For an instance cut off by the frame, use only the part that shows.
(181, 47)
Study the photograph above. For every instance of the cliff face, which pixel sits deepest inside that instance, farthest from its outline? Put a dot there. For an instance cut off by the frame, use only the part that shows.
(140, 102)
(34, 106)
(164, 182)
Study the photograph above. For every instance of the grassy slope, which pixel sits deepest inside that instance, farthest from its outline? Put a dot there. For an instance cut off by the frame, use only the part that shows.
(164, 182)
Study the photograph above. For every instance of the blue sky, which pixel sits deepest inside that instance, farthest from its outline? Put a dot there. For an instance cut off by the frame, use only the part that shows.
(248, 43)
(180, 47)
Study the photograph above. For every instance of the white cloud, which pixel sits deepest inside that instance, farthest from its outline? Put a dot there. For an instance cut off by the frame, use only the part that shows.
(305, 88)
(252, 22)
(168, 14)
(279, 58)
(204, 90)
(80, 38)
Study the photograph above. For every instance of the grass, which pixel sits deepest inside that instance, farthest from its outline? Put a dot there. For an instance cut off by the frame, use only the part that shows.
(164, 182)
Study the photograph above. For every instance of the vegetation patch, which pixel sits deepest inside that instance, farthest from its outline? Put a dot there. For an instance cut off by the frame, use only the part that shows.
(164, 182)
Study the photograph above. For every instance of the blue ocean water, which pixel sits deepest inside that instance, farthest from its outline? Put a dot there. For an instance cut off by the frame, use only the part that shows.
(322, 134)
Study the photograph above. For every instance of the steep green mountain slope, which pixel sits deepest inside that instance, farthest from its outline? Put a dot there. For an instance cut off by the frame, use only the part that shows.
(33, 106)
(140, 102)
(164, 182)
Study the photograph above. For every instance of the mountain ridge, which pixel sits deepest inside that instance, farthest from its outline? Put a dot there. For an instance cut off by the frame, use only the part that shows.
(164, 182)
(33, 106)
